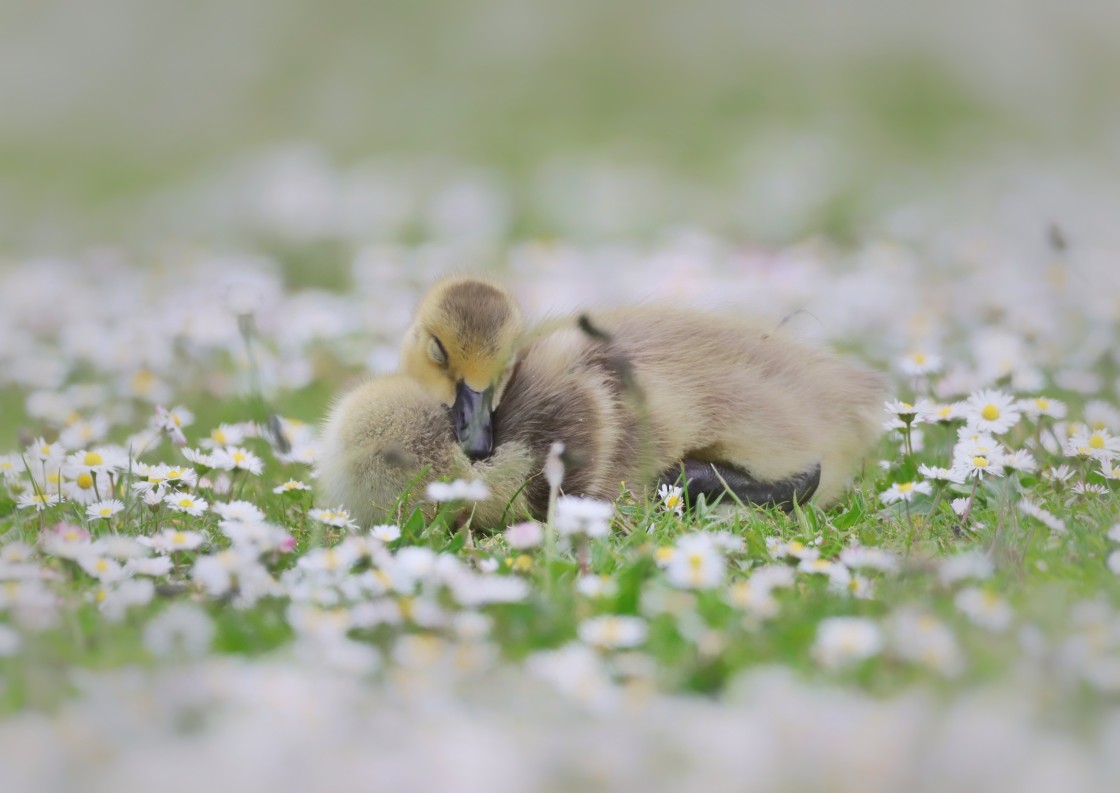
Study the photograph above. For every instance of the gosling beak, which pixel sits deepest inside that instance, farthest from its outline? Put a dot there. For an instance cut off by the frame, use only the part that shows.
(473, 424)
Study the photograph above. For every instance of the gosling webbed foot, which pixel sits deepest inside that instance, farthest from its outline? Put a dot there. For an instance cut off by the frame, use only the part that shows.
(714, 480)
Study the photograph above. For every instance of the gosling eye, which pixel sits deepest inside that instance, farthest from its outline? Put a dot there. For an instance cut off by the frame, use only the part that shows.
(437, 351)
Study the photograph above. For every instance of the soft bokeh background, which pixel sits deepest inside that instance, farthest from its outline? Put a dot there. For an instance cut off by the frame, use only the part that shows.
(137, 118)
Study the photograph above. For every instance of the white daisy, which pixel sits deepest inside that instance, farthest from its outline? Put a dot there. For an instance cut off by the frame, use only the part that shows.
(843, 641)
(580, 515)
(905, 491)
(1037, 407)
(101, 510)
(991, 411)
(612, 631)
(459, 490)
(186, 503)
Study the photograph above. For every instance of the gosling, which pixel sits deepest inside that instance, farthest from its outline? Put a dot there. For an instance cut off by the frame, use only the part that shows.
(391, 436)
(713, 388)
(461, 348)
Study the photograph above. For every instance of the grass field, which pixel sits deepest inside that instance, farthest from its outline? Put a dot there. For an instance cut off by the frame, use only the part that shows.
(219, 214)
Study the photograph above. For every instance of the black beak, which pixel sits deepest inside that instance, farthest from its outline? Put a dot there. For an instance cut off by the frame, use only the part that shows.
(473, 424)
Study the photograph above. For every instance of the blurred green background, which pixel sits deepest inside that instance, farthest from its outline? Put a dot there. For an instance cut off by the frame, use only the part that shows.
(105, 105)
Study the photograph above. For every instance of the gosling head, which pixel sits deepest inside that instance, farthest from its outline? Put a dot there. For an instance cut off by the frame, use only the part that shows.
(460, 348)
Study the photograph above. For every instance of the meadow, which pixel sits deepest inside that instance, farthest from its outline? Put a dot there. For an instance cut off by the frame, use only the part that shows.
(174, 591)
(214, 219)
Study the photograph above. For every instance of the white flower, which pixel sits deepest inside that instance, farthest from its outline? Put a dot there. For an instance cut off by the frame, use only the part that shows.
(171, 540)
(334, 517)
(596, 586)
(242, 511)
(186, 503)
(985, 608)
(904, 491)
(291, 486)
(1114, 533)
(526, 534)
(793, 548)
(237, 458)
(1043, 406)
(181, 630)
(906, 413)
(923, 639)
(579, 515)
(696, 563)
(966, 564)
(459, 490)
(672, 498)
(100, 510)
(1114, 562)
(1020, 460)
(155, 566)
(920, 362)
(941, 474)
(1110, 470)
(386, 532)
(115, 601)
(858, 557)
(102, 568)
(9, 641)
(990, 411)
(1096, 444)
(37, 501)
(613, 631)
(554, 465)
(842, 641)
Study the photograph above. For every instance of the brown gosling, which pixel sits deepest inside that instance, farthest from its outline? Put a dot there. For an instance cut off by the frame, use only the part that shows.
(711, 388)
(390, 435)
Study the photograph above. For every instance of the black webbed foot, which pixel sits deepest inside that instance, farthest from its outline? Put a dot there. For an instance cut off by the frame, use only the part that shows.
(714, 480)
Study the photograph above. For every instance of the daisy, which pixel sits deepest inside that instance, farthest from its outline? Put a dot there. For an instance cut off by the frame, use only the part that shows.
(596, 586)
(198, 457)
(1091, 443)
(172, 540)
(611, 631)
(941, 474)
(905, 491)
(459, 490)
(96, 461)
(963, 565)
(102, 568)
(102, 510)
(904, 413)
(11, 467)
(225, 435)
(990, 411)
(860, 557)
(672, 498)
(180, 630)
(945, 412)
(334, 517)
(1100, 415)
(917, 363)
(923, 639)
(242, 511)
(37, 501)
(696, 563)
(1040, 406)
(579, 515)
(185, 502)
(984, 608)
(526, 534)
(1088, 488)
(385, 532)
(1110, 470)
(1020, 460)
(1061, 473)
(293, 486)
(239, 459)
(843, 641)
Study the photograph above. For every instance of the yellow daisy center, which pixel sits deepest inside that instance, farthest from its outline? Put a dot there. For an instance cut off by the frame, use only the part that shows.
(990, 412)
(218, 436)
(179, 538)
(85, 480)
(239, 457)
(918, 358)
(796, 546)
(92, 458)
(101, 565)
(1096, 442)
(906, 487)
(1042, 404)
(664, 554)
(186, 503)
(980, 462)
